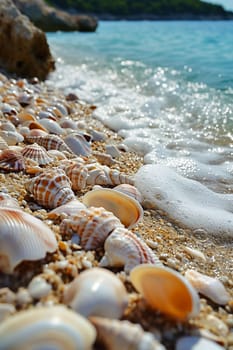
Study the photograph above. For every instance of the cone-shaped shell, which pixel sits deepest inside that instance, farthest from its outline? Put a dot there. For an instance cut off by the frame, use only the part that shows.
(127, 209)
(37, 153)
(77, 174)
(97, 292)
(51, 189)
(22, 237)
(166, 290)
(47, 328)
(11, 160)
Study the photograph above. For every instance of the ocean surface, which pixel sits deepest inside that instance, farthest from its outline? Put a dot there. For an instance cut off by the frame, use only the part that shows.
(167, 89)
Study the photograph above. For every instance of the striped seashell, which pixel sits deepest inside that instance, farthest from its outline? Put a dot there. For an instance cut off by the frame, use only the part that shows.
(3, 143)
(77, 173)
(116, 334)
(37, 153)
(103, 175)
(92, 225)
(7, 201)
(55, 327)
(22, 237)
(78, 144)
(69, 209)
(34, 133)
(49, 142)
(130, 190)
(97, 292)
(51, 188)
(11, 160)
(124, 248)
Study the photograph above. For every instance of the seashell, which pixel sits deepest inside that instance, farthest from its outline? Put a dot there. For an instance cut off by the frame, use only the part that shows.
(97, 292)
(103, 175)
(22, 237)
(124, 248)
(78, 144)
(166, 290)
(25, 99)
(37, 153)
(208, 286)
(7, 201)
(34, 125)
(103, 158)
(52, 126)
(25, 116)
(46, 115)
(3, 143)
(113, 151)
(6, 310)
(54, 153)
(130, 190)
(8, 109)
(49, 142)
(77, 173)
(126, 208)
(11, 137)
(47, 328)
(61, 108)
(196, 343)
(51, 188)
(70, 209)
(115, 335)
(11, 160)
(92, 225)
(68, 123)
(34, 133)
(8, 126)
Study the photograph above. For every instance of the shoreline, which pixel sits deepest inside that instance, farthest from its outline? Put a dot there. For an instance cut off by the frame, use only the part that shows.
(168, 239)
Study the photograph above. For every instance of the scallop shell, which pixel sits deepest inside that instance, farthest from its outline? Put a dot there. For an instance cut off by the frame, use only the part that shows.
(124, 248)
(78, 144)
(37, 153)
(130, 190)
(126, 208)
(47, 328)
(49, 142)
(51, 188)
(166, 290)
(22, 237)
(97, 292)
(103, 175)
(92, 225)
(208, 286)
(77, 174)
(115, 335)
(11, 160)
(70, 209)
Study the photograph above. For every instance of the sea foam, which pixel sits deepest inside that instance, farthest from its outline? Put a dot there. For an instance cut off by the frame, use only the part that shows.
(186, 201)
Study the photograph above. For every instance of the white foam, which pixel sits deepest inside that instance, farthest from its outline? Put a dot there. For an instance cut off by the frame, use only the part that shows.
(186, 201)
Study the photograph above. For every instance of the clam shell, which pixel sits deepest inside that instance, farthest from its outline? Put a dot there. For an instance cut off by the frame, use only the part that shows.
(37, 153)
(51, 188)
(22, 237)
(78, 144)
(126, 208)
(77, 174)
(115, 335)
(166, 290)
(70, 209)
(49, 142)
(124, 248)
(92, 225)
(208, 286)
(11, 160)
(52, 126)
(47, 328)
(97, 292)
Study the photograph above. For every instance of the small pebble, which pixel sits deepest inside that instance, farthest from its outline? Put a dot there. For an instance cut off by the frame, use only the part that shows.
(39, 288)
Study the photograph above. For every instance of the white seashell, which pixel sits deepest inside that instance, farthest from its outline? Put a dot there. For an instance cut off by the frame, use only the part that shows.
(115, 335)
(70, 209)
(78, 144)
(92, 225)
(11, 137)
(97, 292)
(3, 143)
(196, 343)
(124, 248)
(38, 287)
(36, 153)
(103, 158)
(47, 328)
(130, 190)
(56, 154)
(68, 123)
(113, 151)
(22, 237)
(6, 310)
(208, 286)
(8, 126)
(103, 175)
(7, 201)
(195, 253)
(49, 142)
(52, 126)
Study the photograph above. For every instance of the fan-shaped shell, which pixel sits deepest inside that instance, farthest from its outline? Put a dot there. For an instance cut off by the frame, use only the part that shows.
(92, 225)
(51, 188)
(37, 153)
(126, 208)
(124, 248)
(22, 237)
(97, 292)
(77, 174)
(11, 160)
(166, 290)
(115, 335)
(49, 142)
(47, 328)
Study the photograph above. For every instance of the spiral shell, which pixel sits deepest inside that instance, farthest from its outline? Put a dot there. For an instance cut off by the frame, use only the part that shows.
(97, 292)
(77, 174)
(124, 248)
(92, 225)
(51, 189)
(11, 160)
(103, 175)
(47, 328)
(129, 190)
(49, 142)
(115, 335)
(37, 153)
(22, 237)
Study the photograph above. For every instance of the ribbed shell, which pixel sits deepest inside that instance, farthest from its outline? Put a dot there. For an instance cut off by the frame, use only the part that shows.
(11, 160)
(116, 334)
(92, 225)
(37, 153)
(103, 175)
(22, 237)
(124, 248)
(77, 174)
(49, 142)
(129, 190)
(51, 188)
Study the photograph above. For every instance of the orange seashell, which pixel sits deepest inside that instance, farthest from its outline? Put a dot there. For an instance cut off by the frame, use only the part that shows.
(77, 173)
(35, 125)
(92, 225)
(33, 133)
(166, 290)
(11, 160)
(49, 142)
(51, 188)
(25, 116)
(36, 153)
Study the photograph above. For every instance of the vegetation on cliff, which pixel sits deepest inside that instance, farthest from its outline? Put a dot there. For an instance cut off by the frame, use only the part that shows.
(160, 8)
